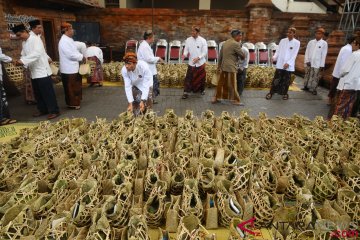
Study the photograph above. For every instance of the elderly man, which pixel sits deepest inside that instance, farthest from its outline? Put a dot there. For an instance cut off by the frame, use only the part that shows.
(230, 53)
(196, 49)
(146, 54)
(349, 86)
(315, 55)
(138, 80)
(69, 67)
(34, 57)
(285, 64)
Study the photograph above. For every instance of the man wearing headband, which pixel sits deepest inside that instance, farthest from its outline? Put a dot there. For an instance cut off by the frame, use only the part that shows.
(34, 57)
(196, 49)
(315, 55)
(146, 54)
(138, 80)
(285, 64)
(349, 86)
(228, 58)
(69, 67)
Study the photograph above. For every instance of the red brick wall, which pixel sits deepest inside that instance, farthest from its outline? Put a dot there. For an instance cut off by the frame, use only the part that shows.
(13, 47)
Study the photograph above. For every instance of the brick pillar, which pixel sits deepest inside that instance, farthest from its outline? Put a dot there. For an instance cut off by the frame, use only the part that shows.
(302, 31)
(260, 13)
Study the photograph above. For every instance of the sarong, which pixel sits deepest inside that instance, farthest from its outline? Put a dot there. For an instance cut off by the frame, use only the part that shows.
(29, 91)
(281, 82)
(312, 77)
(333, 103)
(72, 89)
(195, 79)
(137, 99)
(345, 103)
(98, 73)
(356, 107)
(227, 87)
(4, 105)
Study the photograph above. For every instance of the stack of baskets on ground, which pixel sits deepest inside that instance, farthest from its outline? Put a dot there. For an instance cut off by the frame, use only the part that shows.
(75, 179)
(173, 75)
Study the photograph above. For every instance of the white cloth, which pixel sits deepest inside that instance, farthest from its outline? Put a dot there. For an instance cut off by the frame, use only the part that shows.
(286, 53)
(196, 47)
(81, 47)
(245, 62)
(3, 58)
(34, 57)
(141, 78)
(146, 54)
(350, 73)
(69, 55)
(344, 53)
(94, 51)
(315, 53)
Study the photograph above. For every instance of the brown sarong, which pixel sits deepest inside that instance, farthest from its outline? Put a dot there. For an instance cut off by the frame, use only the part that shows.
(227, 87)
(345, 103)
(72, 89)
(29, 91)
(195, 79)
(98, 74)
(137, 98)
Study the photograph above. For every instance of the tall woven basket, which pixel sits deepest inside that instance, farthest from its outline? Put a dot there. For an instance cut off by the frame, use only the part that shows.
(16, 75)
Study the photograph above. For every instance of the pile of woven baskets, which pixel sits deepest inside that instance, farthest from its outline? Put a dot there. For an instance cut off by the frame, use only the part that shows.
(75, 179)
(173, 75)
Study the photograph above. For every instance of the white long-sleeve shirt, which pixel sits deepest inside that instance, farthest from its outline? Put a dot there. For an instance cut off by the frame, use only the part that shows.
(344, 53)
(34, 57)
(351, 73)
(94, 51)
(39, 36)
(245, 62)
(3, 58)
(69, 55)
(146, 54)
(287, 53)
(81, 47)
(196, 47)
(315, 53)
(141, 78)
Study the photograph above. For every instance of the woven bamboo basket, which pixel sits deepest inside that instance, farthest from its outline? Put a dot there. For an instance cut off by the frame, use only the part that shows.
(15, 74)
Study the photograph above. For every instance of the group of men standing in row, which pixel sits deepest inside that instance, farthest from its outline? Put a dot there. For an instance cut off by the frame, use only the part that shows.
(35, 59)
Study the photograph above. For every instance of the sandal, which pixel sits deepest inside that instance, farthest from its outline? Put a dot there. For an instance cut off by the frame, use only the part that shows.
(268, 96)
(285, 97)
(7, 121)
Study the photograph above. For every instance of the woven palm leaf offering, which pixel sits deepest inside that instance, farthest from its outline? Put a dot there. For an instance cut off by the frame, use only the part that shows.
(96, 180)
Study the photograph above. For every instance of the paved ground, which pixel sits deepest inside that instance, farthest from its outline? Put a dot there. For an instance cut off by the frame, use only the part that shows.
(108, 102)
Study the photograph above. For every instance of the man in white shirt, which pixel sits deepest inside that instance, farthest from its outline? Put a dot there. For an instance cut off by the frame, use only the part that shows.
(315, 55)
(349, 85)
(34, 57)
(196, 49)
(4, 105)
(344, 53)
(138, 80)
(146, 54)
(69, 67)
(243, 64)
(95, 54)
(285, 57)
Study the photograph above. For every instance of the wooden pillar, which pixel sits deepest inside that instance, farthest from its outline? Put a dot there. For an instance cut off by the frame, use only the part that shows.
(260, 13)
